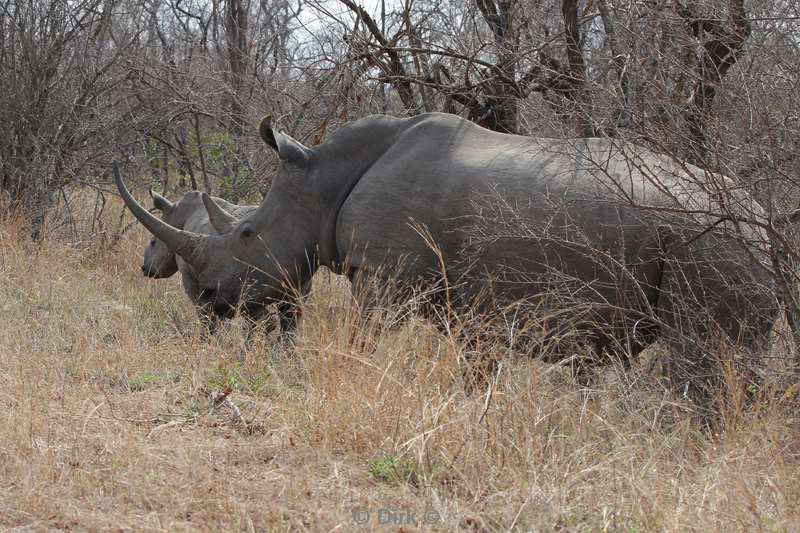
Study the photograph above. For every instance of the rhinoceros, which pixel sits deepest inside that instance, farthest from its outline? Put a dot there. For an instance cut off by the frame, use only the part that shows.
(189, 213)
(637, 243)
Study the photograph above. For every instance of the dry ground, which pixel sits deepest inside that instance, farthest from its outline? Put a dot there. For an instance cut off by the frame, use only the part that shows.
(116, 412)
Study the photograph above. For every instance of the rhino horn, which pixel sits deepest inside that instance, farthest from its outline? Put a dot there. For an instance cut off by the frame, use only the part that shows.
(222, 221)
(288, 149)
(159, 202)
(265, 130)
(183, 243)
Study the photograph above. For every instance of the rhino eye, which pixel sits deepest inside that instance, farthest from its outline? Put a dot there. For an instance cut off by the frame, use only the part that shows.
(153, 242)
(247, 233)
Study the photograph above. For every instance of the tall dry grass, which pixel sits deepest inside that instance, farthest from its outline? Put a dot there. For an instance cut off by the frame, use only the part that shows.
(118, 412)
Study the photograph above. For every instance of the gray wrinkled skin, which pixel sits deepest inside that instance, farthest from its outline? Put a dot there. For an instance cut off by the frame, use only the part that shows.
(189, 213)
(634, 241)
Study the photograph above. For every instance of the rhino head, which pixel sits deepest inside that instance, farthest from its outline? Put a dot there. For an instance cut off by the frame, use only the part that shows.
(159, 261)
(262, 258)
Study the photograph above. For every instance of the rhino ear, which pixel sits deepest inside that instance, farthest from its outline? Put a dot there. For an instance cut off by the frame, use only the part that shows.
(160, 203)
(222, 221)
(288, 149)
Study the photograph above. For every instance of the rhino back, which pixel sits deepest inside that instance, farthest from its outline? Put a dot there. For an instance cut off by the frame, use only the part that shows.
(455, 179)
(520, 210)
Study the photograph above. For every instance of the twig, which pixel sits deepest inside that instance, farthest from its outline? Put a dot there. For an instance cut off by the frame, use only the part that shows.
(223, 398)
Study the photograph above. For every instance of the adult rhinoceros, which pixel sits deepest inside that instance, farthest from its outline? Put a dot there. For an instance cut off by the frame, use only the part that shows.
(189, 213)
(633, 240)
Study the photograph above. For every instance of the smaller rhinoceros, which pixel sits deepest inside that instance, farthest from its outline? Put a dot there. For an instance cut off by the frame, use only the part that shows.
(189, 213)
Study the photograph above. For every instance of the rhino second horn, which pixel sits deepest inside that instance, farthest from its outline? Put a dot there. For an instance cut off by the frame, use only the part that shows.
(183, 243)
(222, 221)
(159, 202)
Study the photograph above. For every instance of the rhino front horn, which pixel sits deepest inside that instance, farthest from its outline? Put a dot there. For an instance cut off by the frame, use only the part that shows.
(183, 243)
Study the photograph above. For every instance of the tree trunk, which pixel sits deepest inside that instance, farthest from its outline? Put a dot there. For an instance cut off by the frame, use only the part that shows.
(236, 32)
(719, 53)
(619, 62)
(501, 107)
(576, 70)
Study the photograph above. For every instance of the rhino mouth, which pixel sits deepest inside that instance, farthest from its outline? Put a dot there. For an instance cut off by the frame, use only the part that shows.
(228, 310)
(151, 272)
(226, 304)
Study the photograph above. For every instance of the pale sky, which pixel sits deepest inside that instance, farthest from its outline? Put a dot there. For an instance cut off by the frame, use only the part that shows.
(373, 7)
(313, 18)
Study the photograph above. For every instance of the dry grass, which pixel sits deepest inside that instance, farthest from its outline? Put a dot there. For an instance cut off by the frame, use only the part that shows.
(112, 417)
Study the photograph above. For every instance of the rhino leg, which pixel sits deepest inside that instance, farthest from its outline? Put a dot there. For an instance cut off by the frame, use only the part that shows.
(208, 320)
(604, 349)
(290, 312)
(288, 316)
(705, 302)
(362, 291)
(252, 328)
(254, 325)
(374, 295)
(478, 369)
(625, 340)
